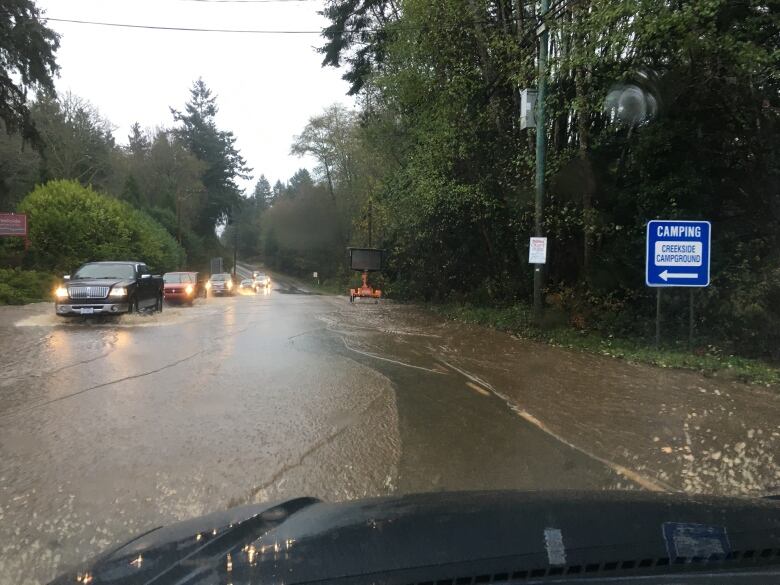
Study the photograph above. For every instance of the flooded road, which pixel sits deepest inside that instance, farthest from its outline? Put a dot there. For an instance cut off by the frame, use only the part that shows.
(109, 429)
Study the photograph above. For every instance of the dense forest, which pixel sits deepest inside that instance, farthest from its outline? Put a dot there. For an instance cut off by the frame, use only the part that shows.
(183, 176)
(655, 109)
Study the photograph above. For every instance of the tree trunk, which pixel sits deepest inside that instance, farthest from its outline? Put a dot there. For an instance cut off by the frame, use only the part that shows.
(330, 183)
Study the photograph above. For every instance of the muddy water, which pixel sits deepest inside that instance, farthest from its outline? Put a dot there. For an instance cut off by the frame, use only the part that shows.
(108, 428)
(676, 429)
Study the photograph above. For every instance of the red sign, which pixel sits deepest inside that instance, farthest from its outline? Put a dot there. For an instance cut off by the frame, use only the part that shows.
(13, 224)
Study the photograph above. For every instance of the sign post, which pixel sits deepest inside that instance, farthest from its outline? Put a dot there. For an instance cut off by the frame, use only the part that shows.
(14, 225)
(677, 254)
(537, 255)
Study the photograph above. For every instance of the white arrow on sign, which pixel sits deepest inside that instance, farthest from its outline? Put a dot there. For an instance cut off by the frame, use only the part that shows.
(666, 275)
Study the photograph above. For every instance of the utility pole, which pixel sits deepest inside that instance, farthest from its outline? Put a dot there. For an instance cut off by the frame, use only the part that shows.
(370, 221)
(541, 147)
(235, 247)
(234, 223)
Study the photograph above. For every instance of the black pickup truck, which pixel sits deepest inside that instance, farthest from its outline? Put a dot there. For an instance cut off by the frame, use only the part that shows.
(109, 288)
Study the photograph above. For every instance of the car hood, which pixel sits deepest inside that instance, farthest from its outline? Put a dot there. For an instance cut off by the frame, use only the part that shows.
(181, 285)
(100, 282)
(469, 537)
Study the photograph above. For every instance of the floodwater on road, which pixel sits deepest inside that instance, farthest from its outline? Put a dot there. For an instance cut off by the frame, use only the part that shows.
(111, 428)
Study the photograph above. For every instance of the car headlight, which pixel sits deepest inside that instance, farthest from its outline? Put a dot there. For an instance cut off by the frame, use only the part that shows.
(189, 289)
(208, 284)
(229, 284)
(118, 291)
(61, 292)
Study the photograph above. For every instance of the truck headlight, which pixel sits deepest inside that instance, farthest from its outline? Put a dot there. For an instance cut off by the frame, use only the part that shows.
(189, 289)
(229, 284)
(208, 284)
(118, 291)
(61, 292)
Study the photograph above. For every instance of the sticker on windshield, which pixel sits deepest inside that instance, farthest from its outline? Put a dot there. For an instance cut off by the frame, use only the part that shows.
(695, 540)
(553, 542)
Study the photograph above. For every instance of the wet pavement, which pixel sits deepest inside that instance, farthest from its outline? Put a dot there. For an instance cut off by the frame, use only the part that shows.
(111, 428)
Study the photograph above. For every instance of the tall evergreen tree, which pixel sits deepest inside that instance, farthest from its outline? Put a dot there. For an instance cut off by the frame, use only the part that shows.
(224, 164)
(27, 49)
(138, 142)
(358, 35)
(262, 194)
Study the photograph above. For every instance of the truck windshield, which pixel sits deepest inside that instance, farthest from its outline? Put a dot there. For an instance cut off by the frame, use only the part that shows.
(106, 271)
(176, 278)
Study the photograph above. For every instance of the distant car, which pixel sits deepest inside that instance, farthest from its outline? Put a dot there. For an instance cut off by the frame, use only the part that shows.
(181, 287)
(221, 284)
(261, 281)
(247, 284)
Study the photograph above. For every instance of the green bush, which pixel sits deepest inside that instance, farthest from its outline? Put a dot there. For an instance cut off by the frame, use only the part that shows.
(18, 287)
(70, 224)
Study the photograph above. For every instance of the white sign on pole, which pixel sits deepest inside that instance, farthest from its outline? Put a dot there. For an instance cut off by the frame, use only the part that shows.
(537, 251)
(527, 108)
(314, 274)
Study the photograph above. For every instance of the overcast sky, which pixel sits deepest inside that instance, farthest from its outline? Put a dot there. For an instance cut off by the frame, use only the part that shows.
(267, 85)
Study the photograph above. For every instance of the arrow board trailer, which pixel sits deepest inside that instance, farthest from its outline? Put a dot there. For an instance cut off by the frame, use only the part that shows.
(365, 260)
(678, 253)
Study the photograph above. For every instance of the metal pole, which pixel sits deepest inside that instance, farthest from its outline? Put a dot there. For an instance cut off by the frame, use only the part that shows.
(657, 317)
(690, 319)
(370, 221)
(235, 246)
(541, 147)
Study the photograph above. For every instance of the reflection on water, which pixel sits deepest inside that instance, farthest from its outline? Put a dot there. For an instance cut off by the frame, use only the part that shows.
(170, 316)
(248, 292)
(121, 339)
(58, 343)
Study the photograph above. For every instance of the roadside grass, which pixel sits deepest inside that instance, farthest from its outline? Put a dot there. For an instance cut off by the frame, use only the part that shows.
(707, 359)
(332, 286)
(335, 286)
(18, 287)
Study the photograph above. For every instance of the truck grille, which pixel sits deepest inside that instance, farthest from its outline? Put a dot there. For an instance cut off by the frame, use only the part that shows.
(88, 292)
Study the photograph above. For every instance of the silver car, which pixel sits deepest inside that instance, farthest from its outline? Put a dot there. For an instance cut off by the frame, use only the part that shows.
(221, 284)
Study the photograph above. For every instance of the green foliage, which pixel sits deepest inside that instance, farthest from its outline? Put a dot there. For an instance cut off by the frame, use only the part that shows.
(27, 50)
(70, 224)
(189, 172)
(301, 230)
(19, 169)
(76, 141)
(262, 194)
(353, 37)
(18, 287)
(453, 183)
(215, 148)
